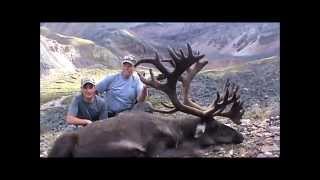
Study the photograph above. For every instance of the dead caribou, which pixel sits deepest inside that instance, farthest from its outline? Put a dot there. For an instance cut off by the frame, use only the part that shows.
(141, 134)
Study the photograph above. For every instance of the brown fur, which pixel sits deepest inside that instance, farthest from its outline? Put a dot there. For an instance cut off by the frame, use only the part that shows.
(140, 134)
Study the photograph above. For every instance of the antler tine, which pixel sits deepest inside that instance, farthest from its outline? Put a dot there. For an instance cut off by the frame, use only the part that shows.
(183, 64)
(182, 54)
(236, 90)
(235, 95)
(232, 87)
(222, 105)
(177, 54)
(155, 62)
(227, 84)
(151, 82)
(215, 107)
(174, 56)
(151, 74)
(191, 72)
(226, 95)
(190, 54)
(235, 113)
(215, 102)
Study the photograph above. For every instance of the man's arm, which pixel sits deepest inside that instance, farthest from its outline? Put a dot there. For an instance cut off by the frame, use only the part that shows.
(144, 93)
(77, 121)
(142, 90)
(104, 84)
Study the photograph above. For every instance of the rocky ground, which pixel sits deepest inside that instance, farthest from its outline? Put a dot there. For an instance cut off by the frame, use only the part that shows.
(261, 139)
(259, 90)
(259, 84)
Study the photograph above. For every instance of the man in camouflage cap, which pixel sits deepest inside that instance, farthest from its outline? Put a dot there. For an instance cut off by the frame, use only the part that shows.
(87, 106)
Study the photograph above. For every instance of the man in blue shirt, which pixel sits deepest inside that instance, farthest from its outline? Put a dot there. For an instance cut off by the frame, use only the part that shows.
(124, 89)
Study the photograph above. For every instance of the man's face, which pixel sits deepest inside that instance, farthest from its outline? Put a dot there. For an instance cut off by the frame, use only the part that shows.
(88, 90)
(127, 69)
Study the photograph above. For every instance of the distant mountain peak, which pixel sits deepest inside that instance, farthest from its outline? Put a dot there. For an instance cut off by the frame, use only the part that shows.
(218, 41)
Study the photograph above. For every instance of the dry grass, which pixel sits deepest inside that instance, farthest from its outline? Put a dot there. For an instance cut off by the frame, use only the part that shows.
(64, 84)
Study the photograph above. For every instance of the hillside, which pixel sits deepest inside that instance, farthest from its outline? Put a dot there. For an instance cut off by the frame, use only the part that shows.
(216, 40)
(61, 53)
(114, 36)
(259, 89)
(221, 42)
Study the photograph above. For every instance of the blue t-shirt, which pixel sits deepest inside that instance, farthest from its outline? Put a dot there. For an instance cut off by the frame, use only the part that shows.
(121, 93)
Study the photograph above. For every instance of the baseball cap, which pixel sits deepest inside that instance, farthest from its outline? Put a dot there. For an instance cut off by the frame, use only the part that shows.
(87, 80)
(129, 59)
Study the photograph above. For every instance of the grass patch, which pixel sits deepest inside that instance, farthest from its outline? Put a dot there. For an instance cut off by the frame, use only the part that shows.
(220, 72)
(226, 70)
(62, 84)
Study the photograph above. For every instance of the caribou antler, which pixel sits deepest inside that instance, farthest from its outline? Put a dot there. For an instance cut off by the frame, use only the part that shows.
(191, 65)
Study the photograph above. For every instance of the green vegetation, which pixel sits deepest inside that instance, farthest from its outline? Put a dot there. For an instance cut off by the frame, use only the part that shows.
(63, 84)
(220, 72)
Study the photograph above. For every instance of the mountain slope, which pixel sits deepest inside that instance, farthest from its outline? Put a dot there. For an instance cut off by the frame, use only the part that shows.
(113, 36)
(231, 42)
(67, 53)
(216, 40)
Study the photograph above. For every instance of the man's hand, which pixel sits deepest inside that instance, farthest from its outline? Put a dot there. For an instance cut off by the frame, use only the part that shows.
(77, 121)
(143, 94)
(86, 122)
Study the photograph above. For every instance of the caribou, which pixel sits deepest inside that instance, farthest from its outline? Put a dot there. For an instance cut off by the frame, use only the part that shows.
(143, 134)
